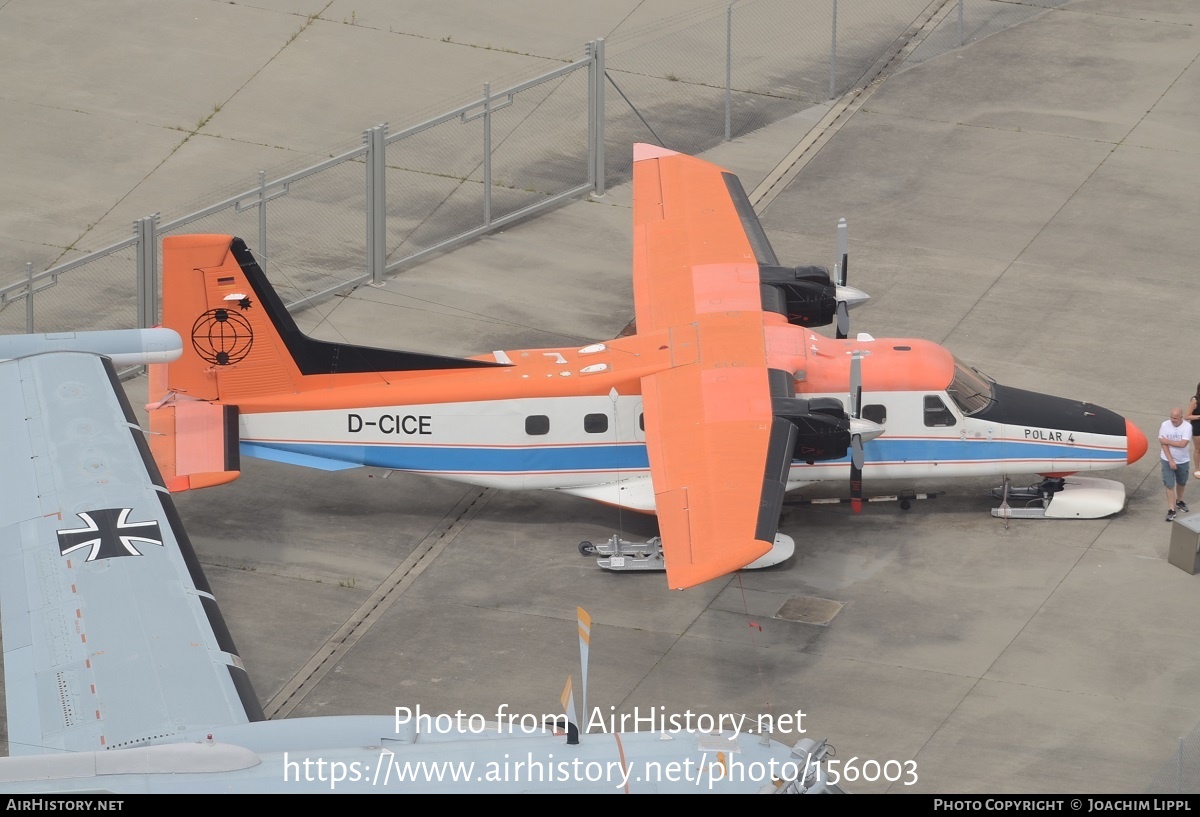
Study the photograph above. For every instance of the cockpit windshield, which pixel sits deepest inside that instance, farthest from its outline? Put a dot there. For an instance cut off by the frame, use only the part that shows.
(971, 389)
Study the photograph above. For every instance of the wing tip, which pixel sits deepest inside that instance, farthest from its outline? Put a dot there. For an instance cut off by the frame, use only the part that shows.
(690, 574)
(643, 151)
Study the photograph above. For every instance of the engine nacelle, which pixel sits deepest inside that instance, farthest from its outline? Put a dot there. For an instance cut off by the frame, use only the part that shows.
(806, 296)
(822, 427)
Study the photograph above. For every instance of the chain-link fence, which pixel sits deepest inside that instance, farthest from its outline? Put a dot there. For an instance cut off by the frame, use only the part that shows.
(734, 67)
(713, 72)
(972, 20)
(1181, 773)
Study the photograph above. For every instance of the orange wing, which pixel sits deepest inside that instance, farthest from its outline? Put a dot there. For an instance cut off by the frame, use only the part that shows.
(718, 454)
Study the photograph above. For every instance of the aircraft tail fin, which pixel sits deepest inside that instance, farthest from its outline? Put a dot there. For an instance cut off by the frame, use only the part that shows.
(240, 342)
(241, 346)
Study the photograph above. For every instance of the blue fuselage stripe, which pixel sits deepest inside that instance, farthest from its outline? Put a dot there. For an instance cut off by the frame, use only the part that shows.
(567, 458)
(478, 459)
(932, 450)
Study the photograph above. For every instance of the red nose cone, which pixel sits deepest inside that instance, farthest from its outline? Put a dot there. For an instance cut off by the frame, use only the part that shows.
(1137, 442)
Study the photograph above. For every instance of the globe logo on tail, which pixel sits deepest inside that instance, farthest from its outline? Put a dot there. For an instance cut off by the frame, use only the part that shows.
(222, 337)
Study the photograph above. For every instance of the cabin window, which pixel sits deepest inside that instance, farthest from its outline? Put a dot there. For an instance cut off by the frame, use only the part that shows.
(641, 421)
(876, 413)
(537, 424)
(936, 413)
(595, 423)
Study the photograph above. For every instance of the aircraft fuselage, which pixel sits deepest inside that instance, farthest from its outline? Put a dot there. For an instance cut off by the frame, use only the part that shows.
(571, 420)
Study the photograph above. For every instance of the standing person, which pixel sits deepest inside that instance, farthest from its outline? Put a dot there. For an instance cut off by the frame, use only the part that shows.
(1174, 437)
(1192, 415)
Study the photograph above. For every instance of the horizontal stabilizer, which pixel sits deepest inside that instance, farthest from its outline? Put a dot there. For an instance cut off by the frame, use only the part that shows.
(195, 443)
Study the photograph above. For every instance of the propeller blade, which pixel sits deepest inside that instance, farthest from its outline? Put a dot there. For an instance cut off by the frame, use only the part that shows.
(842, 250)
(848, 297)
(856, 440)
(856, 384)
(856, 464)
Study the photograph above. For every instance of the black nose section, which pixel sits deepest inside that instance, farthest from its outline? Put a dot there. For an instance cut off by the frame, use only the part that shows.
(1028, 408)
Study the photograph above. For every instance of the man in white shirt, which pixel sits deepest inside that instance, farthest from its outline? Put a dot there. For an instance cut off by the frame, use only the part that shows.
(1174, 437)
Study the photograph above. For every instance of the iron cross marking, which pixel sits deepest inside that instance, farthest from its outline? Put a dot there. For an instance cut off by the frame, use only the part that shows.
(108, 533)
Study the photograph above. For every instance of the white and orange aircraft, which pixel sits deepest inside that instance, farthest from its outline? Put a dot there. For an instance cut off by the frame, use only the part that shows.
(722, 401)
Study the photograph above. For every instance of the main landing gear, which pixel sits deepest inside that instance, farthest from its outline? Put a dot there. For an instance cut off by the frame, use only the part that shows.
(1072, 497)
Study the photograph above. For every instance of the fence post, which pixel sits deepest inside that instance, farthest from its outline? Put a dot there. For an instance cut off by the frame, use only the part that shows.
(833, 55)
(960, 23)
(28, 297)
(595, 49)
(487, 154)
(376, 202)
(589, 50)
(728, 66)
(147, 270)
(263, 255)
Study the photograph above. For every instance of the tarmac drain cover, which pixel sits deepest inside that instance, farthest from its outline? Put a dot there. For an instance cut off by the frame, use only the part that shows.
(809, 610)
